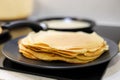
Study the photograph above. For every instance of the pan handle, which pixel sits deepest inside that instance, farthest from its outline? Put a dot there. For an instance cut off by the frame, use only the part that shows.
(33, 25)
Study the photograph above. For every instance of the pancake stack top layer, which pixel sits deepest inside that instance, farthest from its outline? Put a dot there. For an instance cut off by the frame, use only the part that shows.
(71, 47)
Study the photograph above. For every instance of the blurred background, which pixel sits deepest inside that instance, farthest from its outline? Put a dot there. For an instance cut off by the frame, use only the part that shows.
(104, 12)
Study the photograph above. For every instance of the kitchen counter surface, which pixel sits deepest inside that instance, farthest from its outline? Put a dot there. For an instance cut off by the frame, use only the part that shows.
(113, 70)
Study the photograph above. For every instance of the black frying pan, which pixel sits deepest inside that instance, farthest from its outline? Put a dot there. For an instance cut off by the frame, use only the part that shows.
(38, 25)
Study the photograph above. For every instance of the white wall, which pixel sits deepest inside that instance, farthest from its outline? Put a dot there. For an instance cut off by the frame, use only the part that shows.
(105, 12)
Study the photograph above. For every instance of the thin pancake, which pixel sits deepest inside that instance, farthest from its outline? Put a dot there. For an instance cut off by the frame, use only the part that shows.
(63, 41)
(50, 57)
(71, 47)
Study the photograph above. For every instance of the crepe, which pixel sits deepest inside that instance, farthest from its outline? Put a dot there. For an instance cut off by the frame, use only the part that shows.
(49, 56)
(71, 47)
(69, 39)
(119, 45)
(1, 30)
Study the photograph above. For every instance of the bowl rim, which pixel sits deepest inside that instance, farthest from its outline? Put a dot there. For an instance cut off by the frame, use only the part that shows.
(91, 22)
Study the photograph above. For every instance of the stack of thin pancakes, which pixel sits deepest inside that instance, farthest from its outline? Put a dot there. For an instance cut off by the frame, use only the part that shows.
(71, 47)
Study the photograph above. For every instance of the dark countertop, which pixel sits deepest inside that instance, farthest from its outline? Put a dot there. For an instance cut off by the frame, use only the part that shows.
(111, 32)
